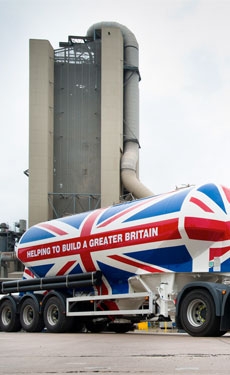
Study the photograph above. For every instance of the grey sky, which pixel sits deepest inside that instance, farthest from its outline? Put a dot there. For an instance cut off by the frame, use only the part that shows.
(184, 92)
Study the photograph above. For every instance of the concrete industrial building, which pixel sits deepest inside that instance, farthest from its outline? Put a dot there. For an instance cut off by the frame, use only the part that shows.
(84, 141)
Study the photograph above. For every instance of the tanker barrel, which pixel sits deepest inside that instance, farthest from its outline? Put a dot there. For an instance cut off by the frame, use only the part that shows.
(74, 277)
(72, 285)
(69, 281)
(85, 276)
(15, 283)
(28, 282)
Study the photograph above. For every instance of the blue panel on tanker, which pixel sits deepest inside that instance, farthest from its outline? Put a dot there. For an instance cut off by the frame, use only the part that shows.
(34, 233)
(175, 258)
(225, 266)
(75, 220)
(118, 279)
(165, 206)
(76, 269)
(213, 192)
(118, 208)
(41, 271)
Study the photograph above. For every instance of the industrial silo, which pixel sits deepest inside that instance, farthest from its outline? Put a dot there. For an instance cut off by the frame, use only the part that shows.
(84, 122)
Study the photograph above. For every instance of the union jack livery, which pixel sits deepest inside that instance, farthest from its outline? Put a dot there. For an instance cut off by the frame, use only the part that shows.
(183, 231)
(119, 264)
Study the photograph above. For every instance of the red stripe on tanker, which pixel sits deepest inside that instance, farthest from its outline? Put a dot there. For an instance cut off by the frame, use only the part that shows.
(161, 231)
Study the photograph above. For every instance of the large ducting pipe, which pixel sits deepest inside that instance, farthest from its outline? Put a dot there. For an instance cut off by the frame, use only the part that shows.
(129, 160)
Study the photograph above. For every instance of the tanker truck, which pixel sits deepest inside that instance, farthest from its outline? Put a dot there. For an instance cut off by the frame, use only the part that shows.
(162, 257)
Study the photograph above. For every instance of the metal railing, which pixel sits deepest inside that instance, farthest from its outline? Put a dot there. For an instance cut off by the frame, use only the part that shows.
(64, 204)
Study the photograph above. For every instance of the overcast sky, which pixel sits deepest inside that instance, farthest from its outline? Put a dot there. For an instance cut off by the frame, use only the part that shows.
(184, 48)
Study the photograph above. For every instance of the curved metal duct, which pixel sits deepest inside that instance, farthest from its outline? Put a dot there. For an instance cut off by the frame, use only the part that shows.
(131, 110)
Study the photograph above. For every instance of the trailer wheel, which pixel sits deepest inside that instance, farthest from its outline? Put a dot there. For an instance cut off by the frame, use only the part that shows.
(121, 327)
(198, 316)
(96, 325)
(55, 318)
(31, 319)
(9, 319)
(78, 325)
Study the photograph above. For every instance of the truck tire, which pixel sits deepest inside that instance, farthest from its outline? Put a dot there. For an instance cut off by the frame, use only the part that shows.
(198, 315)
(9, 319)
(30, 318)
(121, 327)
(78, 325)
(96, 325)
(55, 318)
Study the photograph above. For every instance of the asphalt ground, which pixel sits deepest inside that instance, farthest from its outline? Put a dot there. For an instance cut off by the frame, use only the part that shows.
(138, 352)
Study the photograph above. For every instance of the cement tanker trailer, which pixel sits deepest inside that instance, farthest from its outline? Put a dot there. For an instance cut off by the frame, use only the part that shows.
(163, 257)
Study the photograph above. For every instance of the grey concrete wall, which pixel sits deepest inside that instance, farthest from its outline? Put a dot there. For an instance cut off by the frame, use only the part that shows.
(40, 129)
(111, 114)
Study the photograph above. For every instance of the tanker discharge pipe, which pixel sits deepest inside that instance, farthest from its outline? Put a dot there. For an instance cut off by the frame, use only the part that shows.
(130, 157)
